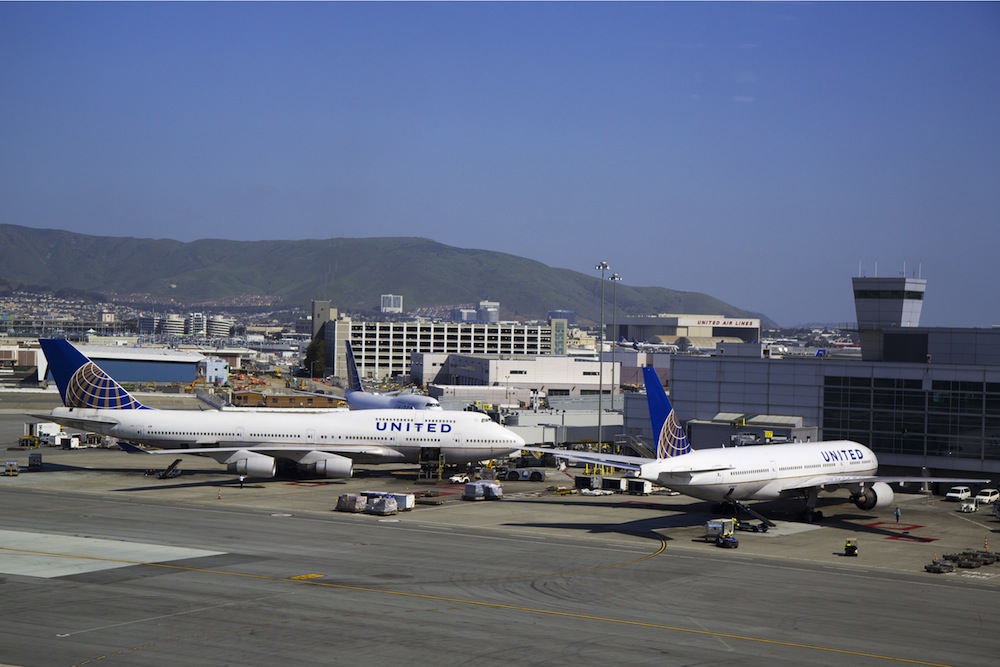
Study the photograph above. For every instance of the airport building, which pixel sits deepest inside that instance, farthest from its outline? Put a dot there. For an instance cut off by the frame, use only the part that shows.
(510, 380)
(921, 397)
(391, 303)
(688, 332)
(385, 349)
(134, 364)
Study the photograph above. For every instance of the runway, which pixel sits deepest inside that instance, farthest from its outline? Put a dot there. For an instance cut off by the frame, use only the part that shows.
(196, 571)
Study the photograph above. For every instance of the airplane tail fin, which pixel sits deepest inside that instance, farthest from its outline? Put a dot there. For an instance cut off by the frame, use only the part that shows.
(670, 437)
(81, 382)
(353, 377)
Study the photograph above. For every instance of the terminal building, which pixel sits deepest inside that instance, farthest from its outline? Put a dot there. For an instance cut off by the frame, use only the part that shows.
(921, 397)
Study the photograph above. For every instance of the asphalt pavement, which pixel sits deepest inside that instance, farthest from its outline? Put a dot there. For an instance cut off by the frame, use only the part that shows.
(101, 563)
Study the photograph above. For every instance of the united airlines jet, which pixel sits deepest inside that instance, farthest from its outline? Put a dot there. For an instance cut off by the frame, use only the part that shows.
(252, 443)
(732, 475)
(359, 399)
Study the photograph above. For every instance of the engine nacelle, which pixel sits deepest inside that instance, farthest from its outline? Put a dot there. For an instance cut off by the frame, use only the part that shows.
(878, 494)
(322, 464)
(251, 464)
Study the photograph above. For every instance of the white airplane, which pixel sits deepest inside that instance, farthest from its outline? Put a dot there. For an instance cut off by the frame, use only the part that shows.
(252, 443)
(359, 399)
(646, 346)
(732, 475)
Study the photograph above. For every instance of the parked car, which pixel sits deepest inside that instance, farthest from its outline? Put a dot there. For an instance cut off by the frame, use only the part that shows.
(958, 493)
(987, 496)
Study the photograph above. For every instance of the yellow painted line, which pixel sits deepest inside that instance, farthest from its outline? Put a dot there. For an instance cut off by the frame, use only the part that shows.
(311, 580)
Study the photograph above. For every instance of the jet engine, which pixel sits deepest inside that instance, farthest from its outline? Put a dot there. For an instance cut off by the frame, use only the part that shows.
(322, 464)
(878, 494)
(251, 464)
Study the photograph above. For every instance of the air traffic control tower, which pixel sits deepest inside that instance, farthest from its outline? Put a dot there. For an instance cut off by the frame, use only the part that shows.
(884, 305)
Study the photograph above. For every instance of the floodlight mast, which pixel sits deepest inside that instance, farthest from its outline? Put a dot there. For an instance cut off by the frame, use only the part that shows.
(602, 267)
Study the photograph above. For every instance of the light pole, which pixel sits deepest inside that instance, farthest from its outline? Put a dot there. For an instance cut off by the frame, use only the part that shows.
(602, 267)
(615, 279)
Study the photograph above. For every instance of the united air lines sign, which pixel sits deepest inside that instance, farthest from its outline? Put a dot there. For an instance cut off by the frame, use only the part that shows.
(728, 323)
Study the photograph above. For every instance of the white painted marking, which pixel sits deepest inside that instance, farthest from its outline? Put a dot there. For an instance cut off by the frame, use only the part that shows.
(49, 556)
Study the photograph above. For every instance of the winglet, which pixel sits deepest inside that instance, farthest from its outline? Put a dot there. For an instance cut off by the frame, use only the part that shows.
(670, 437)
(353, 377)
(81, 382)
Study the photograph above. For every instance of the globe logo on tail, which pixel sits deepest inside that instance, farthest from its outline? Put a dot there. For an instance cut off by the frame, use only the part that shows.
(672, 440)
(90, 387)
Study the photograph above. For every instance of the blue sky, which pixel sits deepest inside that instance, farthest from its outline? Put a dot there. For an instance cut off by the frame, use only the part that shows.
(758, 152)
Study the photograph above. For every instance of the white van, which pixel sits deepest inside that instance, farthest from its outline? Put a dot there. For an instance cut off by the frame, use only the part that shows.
(958, 493)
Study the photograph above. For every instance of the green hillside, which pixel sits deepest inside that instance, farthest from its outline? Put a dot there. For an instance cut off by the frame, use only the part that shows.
(351, 272)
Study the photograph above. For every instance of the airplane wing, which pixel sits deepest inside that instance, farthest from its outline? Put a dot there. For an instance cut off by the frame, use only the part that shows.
(840, 480)
(624, 462)
(271, 450)
(597, 458)
(78, 423)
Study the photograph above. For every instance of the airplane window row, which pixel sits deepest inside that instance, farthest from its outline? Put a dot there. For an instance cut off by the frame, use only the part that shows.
(191, 433)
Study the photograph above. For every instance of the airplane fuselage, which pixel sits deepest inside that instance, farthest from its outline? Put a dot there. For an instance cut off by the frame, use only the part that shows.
(398, 435)
(759, 472)
(362, 400)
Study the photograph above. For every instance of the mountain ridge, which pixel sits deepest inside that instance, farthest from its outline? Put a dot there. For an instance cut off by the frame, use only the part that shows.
(352, 273)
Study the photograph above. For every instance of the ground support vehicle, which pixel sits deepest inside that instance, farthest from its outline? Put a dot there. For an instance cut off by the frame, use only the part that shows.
(525, 474)
(851, 546)
(940, 567)
(760, 527)
(727, 542)
(719, 527)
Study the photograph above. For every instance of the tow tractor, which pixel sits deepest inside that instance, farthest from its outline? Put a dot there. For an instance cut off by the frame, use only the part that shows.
(720, 531)
(851, 546)
(969, 505)
(521, 474)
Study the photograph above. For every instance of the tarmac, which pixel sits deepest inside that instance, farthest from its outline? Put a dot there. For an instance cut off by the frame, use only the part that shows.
(102, 563)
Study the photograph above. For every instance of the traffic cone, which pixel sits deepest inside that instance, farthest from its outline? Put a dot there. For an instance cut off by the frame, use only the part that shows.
(218, 495)
(986, 543)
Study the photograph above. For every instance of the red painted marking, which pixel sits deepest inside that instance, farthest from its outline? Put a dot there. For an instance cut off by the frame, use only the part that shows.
(903, 528)
(911, 538)
(890, 525)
